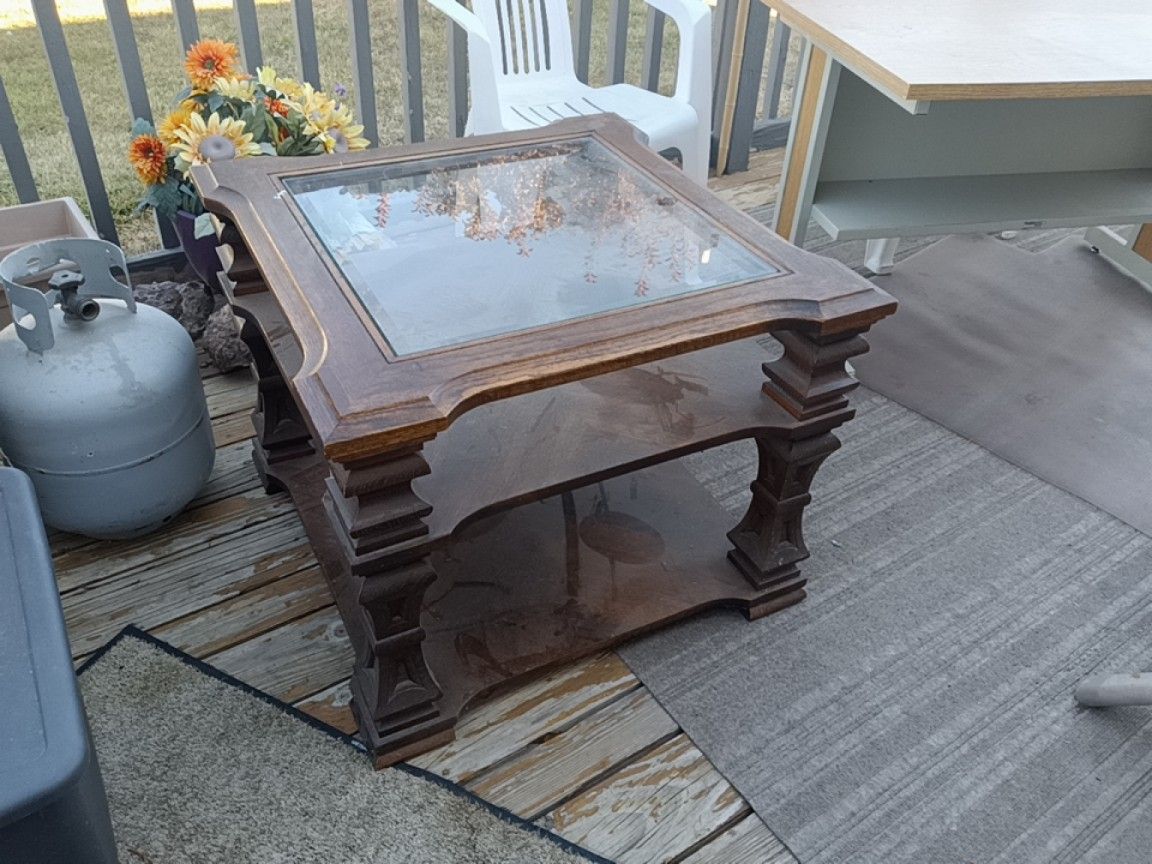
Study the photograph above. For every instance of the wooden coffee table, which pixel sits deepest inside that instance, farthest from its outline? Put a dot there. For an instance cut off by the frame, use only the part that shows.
(480, 361)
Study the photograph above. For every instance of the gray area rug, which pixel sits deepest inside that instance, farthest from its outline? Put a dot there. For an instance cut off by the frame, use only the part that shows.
(1045, 359)
(203, 771)
(917, 707)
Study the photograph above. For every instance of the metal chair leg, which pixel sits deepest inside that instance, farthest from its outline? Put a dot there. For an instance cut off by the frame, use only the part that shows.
(1107, 691)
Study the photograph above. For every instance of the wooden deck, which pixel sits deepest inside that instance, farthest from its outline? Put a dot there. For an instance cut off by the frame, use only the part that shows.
(586, 751)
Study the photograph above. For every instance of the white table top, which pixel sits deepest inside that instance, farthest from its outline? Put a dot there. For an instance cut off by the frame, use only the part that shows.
(927, 50)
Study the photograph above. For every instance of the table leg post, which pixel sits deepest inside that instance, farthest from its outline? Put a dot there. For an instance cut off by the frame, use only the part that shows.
(880, 255)
(281, 433)
(380, 521)
(812, 383)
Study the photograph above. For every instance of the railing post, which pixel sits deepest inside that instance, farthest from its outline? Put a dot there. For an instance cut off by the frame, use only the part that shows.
(412, 87)
(72, 107)
(187, 28)
(748, 87)
(653, 49)
(14, 153)
(723, 36)
(582, 37)
(135, 88)
(360, 31)
(307, 54)
(617, 40)
(457, 78)
(250, 53)
(777, 64)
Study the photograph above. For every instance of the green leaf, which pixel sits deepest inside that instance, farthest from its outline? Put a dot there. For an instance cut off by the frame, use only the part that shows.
(306, 146)
(166, 198)
(215, 101)
(142, 127)
(203, 226)
(147, 200)
(258, 124)
(267, 148)
(232, 107)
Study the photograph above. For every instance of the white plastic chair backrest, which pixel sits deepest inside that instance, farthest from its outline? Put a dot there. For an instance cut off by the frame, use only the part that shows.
(529, 38)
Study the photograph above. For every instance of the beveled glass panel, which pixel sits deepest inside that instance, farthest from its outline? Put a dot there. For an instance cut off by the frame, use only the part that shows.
(460, 248)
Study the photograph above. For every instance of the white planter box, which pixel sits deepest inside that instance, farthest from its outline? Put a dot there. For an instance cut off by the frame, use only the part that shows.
(41, 220)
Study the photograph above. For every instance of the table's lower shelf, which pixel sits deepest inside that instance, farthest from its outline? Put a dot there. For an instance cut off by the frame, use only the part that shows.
(550, 581)
(510, 451)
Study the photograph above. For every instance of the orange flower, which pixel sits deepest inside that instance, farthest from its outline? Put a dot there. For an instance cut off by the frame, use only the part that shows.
(208, 60)
(278, 107)
(149, 157)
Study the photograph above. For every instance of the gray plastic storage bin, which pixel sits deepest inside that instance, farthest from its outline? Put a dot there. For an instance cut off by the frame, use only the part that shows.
(52, 804)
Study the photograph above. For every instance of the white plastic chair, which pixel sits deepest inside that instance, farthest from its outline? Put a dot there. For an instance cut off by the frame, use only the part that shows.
(522, 75)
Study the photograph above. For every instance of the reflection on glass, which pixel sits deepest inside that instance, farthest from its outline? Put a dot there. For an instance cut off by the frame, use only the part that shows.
(461, 248)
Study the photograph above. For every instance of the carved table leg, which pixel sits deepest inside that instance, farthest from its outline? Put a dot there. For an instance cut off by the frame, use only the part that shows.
(380, 521)
(811, 382)
(281, 433)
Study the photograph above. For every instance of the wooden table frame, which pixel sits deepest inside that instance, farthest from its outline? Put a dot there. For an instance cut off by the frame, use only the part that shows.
(393, 461)
(909, 123)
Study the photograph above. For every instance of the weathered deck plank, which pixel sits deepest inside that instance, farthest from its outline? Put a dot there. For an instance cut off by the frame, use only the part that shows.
(534, 782)
(194, 532)
(233, 474)
(215, 628)
(515, 720)
(232, 428)
(239, 380)
(658, 807)
(152, 594)
(225, 400)
(292, 661)
(754, 187)
(747, 842)
(332, 705)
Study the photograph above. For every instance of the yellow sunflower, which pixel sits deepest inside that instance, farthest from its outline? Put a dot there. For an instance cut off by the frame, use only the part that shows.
(316, 106)
(208, 60)
(214, 139)
(340, 132)
(271, 80)
(168, 126)
(149, 157)
(266, 75)
(235, 88)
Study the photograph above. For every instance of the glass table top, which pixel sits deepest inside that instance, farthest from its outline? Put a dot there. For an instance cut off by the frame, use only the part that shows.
(460, 248)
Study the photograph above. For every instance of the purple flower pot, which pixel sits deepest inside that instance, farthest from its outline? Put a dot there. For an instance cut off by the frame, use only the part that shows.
(200, 251)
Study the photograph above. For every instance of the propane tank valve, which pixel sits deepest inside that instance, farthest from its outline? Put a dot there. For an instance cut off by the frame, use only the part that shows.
(66, 283)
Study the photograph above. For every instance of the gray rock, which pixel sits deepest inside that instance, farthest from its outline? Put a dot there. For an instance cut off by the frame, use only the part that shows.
(198, 306)
(190, 303)
(164, 296)
(222, 342)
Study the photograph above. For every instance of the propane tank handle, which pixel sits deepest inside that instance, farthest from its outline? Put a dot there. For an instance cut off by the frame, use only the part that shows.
(95, 260)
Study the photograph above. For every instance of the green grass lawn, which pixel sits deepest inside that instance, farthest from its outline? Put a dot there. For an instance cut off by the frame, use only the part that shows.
(25, 71)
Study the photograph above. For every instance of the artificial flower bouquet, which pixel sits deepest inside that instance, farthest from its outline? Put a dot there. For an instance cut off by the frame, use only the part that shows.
(227, 114)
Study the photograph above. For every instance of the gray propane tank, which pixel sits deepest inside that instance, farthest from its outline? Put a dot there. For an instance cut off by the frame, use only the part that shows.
(100, 403)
